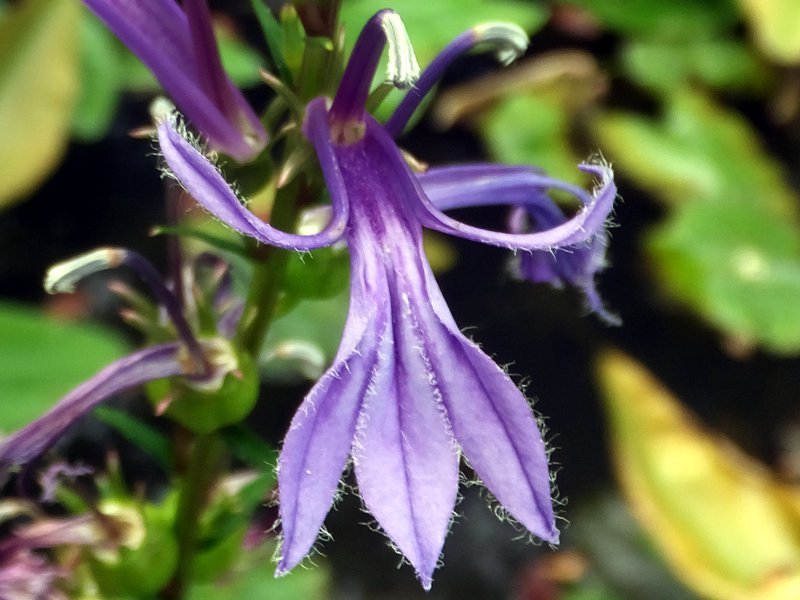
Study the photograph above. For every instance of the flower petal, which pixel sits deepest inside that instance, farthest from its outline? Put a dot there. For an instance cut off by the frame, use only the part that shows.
(320, 437)
(405, 457)
(158, 32)
(580, 228)
(491, 421)
(526, 189)
(202, 180)
(32, 441)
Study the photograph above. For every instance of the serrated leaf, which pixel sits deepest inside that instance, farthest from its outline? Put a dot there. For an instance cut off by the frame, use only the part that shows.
(686, 19)
(43, 359)
(728, 528)
(736, 264)
(697, 150)
(432, 25)
(776, 27)
(38, 88)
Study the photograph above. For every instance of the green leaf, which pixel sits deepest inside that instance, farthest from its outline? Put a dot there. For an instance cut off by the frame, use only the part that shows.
(100, 85)
(432, 25)
(667, 64)
(776, 27)
(253, 579)
(736, 264)
(273, 35)
(533, 130)
(44, 359)
(697, 150)
(317, 275)
(153, 442)
(38, 88)
(686, 19)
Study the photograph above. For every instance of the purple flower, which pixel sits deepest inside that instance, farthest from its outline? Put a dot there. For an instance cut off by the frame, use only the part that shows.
(26, 574)
(203, 364)
(408, 394)
(178, 46)
(525, 189)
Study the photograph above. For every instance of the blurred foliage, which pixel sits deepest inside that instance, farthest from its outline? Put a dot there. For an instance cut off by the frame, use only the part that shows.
(776, 27)
(729, 528)
(737, 264)
(253, 578)
(621, 560)
(38, 89)
(43, 359)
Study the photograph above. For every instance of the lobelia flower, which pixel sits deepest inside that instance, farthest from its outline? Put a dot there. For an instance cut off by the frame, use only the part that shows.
(203, 364)
(407, 393)
(178, 46)
(525, 189)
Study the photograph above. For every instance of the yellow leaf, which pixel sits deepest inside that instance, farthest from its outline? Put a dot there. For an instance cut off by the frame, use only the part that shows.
(38, 87)
(727, 527)
(776, 27)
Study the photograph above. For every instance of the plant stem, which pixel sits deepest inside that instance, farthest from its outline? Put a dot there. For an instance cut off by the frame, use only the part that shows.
(262, 297)
(206, 461)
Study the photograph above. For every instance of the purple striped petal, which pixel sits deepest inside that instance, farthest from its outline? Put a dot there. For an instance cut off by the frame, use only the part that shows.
(182, 54)
(483, 184)
(35, 439)
(319, 440)
(491, 421)
(206, 185)
(406, 459)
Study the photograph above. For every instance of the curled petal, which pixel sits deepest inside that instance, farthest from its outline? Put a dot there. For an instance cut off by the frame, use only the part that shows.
(32, 441)
(206, 185)
(580, 228)
(526, 190)
(463, 186)
(177, 50)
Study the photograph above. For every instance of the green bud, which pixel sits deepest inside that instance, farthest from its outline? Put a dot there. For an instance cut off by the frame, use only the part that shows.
(205, 406)
(142, 553)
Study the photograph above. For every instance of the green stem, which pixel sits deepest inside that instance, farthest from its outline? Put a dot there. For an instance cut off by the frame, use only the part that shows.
(206, 461)
(270, 264)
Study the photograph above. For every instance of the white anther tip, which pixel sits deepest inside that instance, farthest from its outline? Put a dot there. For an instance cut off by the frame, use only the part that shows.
(402, 69)
(62, 277)
(509, 40)
(161, 109)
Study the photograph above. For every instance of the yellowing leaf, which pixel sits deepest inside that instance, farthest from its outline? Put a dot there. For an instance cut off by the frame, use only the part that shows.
(727, 527)
(776, 27)
(38, 88)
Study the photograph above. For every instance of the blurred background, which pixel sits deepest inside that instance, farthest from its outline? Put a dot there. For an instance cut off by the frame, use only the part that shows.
(676, 436)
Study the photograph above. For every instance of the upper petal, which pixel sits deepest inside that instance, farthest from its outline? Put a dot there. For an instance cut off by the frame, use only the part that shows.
(206, 185)
(158, 32)
(580, 228)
